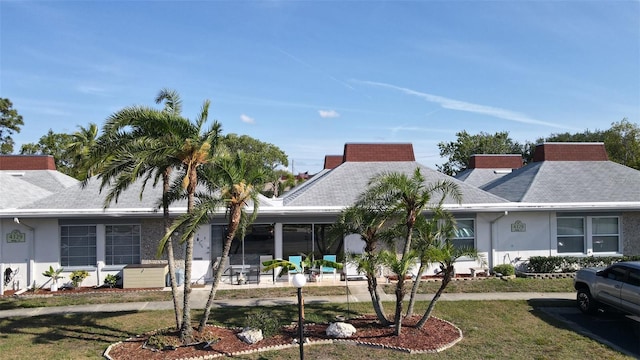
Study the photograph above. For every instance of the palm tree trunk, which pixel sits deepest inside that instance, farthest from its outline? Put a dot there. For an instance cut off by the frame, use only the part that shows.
(169, 248)
(399, 297)
(234, 222)
(445, 281)
(376, 300)
(186, 331)
(414, 289)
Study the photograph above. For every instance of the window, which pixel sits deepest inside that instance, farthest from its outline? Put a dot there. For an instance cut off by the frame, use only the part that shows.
(605, 234)
(77, 245)
(583, 234)
(570, 235)
(122, 244)
(464, 234)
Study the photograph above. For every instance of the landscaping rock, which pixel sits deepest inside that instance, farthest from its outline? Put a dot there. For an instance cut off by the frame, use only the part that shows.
(250, 336)
(340, 330)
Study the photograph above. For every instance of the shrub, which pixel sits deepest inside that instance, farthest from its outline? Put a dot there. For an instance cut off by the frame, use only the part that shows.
(78, 276)
(111, 280)
(505, 269)
(270, 325)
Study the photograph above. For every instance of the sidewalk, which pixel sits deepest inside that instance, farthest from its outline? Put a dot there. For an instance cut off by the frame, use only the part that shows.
(199, 296)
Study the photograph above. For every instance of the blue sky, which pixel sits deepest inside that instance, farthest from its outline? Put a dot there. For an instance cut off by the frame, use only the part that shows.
(311, 76)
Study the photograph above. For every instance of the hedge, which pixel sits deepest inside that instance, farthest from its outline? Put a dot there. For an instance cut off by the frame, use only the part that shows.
(555, 264)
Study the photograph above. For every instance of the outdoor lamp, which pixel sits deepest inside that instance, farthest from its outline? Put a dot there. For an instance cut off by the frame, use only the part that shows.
(299, 280)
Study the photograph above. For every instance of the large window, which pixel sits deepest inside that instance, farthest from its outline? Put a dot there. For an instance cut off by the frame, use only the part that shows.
(585, 234)
(605, 234)
(122, 244)
(571, 234)
(77, 245)
(464, 234)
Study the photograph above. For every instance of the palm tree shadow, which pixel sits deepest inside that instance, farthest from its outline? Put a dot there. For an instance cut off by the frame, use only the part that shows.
(47, 329)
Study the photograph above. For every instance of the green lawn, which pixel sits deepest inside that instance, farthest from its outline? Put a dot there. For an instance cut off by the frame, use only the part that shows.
(492, 330)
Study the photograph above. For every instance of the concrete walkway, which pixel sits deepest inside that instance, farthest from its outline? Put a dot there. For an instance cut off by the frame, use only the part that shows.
(199, 296)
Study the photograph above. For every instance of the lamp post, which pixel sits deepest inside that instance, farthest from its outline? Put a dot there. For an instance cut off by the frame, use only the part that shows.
(299, 280)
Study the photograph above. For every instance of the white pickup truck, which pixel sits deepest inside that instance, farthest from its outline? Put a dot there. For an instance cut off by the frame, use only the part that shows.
(617, 286)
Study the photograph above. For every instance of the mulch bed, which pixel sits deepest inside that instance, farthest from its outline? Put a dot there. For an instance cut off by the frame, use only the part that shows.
(435, 336)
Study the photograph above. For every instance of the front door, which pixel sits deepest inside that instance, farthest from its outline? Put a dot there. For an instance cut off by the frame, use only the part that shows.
(15, 256)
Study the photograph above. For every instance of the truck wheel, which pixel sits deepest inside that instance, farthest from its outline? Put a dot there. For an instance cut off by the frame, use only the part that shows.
(586, 303)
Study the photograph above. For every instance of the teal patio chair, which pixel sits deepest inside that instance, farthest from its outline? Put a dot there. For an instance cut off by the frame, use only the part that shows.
(328, 269)
(297, 261)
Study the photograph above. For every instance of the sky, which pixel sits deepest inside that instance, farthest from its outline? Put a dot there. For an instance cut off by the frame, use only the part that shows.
(311, 76)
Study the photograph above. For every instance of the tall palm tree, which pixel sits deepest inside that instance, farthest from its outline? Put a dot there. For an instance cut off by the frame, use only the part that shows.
(141, 142)
(407, 197)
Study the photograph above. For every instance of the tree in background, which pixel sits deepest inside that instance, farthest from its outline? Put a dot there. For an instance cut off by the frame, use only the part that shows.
(10, 122)
(259, 155)
(622, 141)
(79, 149)
(56, 145)
(459, 152)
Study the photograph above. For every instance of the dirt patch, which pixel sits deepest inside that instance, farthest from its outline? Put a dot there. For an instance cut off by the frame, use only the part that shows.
(436, 335)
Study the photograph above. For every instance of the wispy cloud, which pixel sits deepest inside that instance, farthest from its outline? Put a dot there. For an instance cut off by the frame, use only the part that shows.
(458, 105)
(246, 119)
(91, 90)
(328, 114)
(314, 68)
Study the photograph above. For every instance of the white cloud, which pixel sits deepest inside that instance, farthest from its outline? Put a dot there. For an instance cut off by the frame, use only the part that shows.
(246, 119)
(458, 105)
(328, 114)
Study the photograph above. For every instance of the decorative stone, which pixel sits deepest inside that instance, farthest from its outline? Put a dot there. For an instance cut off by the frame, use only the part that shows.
(340, 330)
(250, 336)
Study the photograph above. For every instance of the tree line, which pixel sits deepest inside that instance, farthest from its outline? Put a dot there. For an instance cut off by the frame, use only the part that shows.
(621, 140)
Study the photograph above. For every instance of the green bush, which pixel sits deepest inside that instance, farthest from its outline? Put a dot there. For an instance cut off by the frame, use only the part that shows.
(554, 264)
(78, 276)
(270, 325)
(505, 269)
(111, 280)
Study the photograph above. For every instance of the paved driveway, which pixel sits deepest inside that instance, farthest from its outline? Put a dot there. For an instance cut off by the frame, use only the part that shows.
(610, 328)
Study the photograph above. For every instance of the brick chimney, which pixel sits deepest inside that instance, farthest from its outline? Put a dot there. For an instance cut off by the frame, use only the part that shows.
(378, 152)
(495, 161)
(332, 161)
(27, 162)
(570, 151)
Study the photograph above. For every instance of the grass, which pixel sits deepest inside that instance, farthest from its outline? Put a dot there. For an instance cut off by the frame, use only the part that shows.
(61, 299)
(492, 330)
(494, 285)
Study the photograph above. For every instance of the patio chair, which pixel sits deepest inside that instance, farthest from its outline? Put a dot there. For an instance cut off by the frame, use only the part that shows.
(296, 260)
(328, 269)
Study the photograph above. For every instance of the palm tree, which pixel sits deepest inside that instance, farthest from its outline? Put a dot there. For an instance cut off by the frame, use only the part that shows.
(231, 184)
(407, 197)
(426, 231)
(80, 147)
(369, 224)
(141, 142)
(446, 253)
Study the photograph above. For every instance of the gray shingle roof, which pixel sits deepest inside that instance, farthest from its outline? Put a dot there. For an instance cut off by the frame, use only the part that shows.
(21, 187)
(342, 185)
(479, 177)
(569, 182)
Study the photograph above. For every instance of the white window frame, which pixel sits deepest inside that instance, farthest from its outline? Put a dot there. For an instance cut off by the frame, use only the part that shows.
(456, 237)
(589, 235)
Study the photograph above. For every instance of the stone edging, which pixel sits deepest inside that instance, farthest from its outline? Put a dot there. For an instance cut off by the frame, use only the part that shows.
(317, 342)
